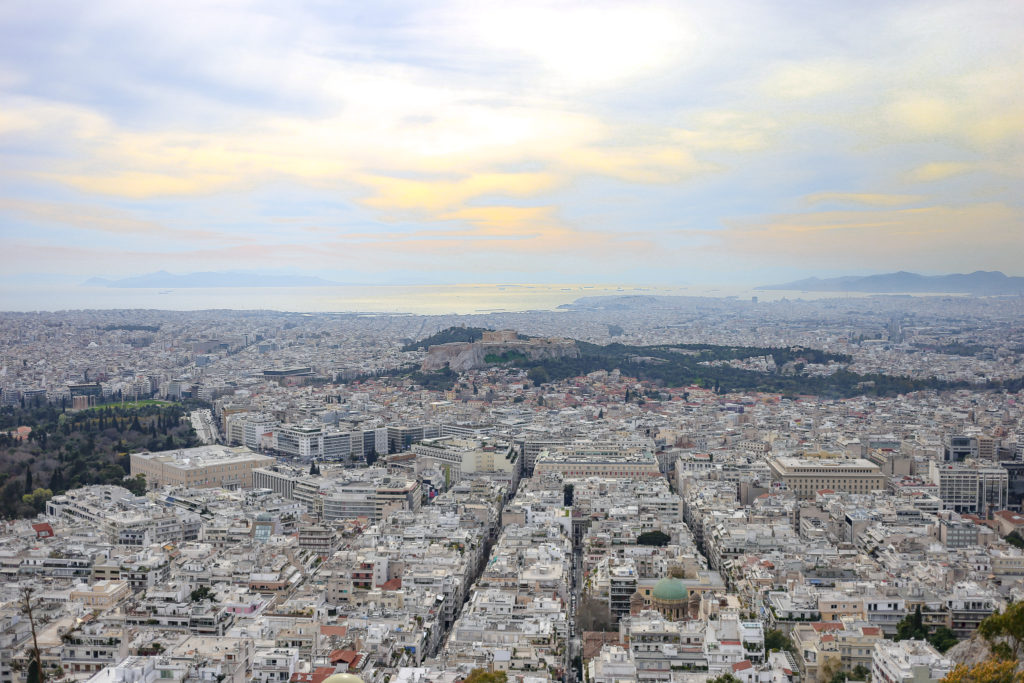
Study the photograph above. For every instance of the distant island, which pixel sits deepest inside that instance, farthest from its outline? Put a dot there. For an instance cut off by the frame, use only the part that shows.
(981, 282)
(164, 280)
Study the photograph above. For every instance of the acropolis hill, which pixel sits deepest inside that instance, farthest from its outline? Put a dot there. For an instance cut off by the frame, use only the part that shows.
(496, 347)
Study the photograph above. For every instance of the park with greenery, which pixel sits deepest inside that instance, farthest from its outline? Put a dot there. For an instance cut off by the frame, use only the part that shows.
(66, 449)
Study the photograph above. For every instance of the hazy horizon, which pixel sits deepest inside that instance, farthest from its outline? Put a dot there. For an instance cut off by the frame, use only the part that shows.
(425, 299)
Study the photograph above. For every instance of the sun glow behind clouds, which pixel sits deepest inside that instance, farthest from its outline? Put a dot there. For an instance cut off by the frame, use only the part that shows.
(588, 46)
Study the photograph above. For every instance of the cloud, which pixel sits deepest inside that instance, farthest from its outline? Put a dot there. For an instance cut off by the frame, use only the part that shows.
(392, 193)
(951, 238)
(923, 115)
(483, 128)
(863, 198)
(982, 109)
(583, 46)
(508, 221)
(734, 131)
(939, 170)
(142, 184)
(801, 80)
(94, 218)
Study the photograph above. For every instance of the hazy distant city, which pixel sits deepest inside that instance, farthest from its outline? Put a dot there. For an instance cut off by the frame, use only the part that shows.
(627, 487)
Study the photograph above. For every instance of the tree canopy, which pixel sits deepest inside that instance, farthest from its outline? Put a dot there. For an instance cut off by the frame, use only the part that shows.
(67, 449)
(656, 538)
(724, 678)
(1005, 631)
(484, 676)
(989, 671)
(775, 639)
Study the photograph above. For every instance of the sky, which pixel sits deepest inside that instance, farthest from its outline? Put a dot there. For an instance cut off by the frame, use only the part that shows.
(462, 142)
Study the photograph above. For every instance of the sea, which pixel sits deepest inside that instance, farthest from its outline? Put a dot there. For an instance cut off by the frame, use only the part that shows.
(462, 299)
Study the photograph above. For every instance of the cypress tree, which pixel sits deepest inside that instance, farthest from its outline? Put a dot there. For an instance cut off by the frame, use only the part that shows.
(33, 671)
(56, 481)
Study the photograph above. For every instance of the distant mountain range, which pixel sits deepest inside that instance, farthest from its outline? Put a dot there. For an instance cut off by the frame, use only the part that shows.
(981, 282)
(164, 280)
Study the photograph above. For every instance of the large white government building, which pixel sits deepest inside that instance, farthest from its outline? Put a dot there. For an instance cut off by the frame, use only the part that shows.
(586, 459)
(200, 467)
(806, 476)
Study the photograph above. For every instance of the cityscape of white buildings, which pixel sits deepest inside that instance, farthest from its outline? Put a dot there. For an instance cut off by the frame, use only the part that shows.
(562, 530)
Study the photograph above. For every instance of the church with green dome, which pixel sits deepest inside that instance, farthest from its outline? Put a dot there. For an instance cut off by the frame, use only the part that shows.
(669, 597)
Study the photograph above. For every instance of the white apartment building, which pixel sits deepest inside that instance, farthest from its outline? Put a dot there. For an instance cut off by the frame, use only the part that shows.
(458, 457)
(908, 661)
(970, 486)
(315, 441)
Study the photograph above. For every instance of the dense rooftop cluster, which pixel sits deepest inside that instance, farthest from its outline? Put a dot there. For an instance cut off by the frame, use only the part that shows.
(340, 516)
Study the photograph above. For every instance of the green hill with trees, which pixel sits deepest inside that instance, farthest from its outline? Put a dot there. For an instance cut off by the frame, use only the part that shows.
(447, 336)
(675, 365)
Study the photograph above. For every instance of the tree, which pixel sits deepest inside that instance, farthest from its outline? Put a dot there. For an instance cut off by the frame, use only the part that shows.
(1005, 632)
(200, 594)
(35, 667)
(943, 639)
(484, 676)
(136, 484)
(594, 614)
(911, 627)
(656, 538)
(56, 480)
(992, 670)
(724, 678)
(567, 492)
(538, 375)
(775, 639)
(28, 478)
(371, 457)
(831, 671)
(860, 673)
(37, 499)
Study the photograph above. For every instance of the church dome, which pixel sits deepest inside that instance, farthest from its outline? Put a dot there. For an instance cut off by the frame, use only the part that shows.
(669, 590)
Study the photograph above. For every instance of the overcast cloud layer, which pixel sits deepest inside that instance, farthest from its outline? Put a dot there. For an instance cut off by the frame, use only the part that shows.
(530, 142)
